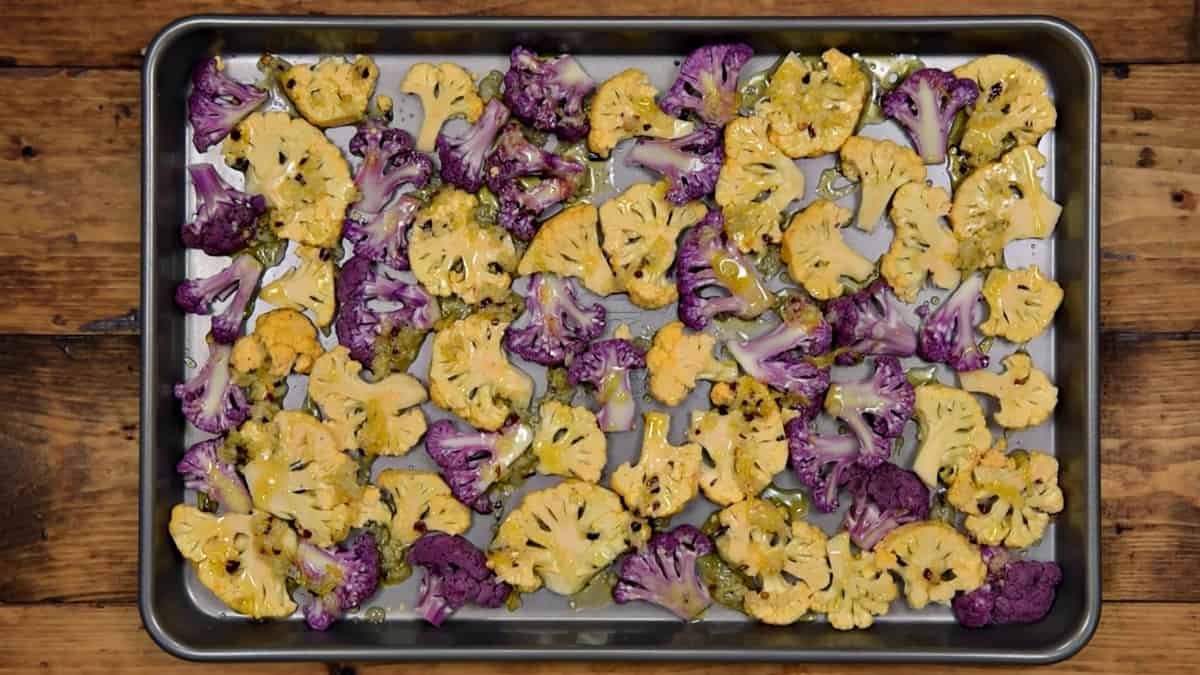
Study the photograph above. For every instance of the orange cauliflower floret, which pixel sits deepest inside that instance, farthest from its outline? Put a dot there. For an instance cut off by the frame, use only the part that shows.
(757, 182)
(307, 286)
(624, 107)
(568, 245)
(813, 106)
(470, 376)
(332, 93)
(666, 476)
(817, 257)
(859, 589)
(1008, 499)
(1021, 303)
(410, 503)
(880, 168)
(1026, 396)
(568, 442)
(742, 440)
(923, 246)
(933, 559)
(952, 432)
(452, 254)
(1013, 107)
(677, 359)
(446, 90)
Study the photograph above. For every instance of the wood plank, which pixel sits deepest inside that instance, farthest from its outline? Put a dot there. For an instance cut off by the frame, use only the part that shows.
(96, 33)
(85, 639)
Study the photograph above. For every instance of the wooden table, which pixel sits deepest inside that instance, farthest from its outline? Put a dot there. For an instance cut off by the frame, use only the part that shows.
(69, 224)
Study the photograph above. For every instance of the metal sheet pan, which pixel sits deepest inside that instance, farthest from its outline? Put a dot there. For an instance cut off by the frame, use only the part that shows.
(188, 622)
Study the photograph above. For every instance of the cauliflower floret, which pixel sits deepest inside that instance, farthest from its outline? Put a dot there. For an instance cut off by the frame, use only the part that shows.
(677, 359)
(952, 431)
(1025, 393)
(297, 472)
(470, 376)
(568, 442)
(624, 107)
(307, 286)
(284, 341)
(1001, 202)
(562, 536)
(756, 184)
(1013, 107)
(787, 560)
(445, 90)
(379, 418)
(302, 175)
(569, 245)
(933, 559)
(742, 440)
(880, 167)
(813, 106)
(666, 476)
(242, 558)
(817, 257)
(860, 590)
(451, 253)
(1008, 499)
(922, 246)
(332, 93)
(410, 503)
(640, 228)
(1021, 303)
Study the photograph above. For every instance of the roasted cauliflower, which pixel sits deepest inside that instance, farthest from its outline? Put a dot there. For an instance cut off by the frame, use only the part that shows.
(923, 246)
(332, 93)
(817, 257)
(933, 559)
(445, 90)
(742, 441)
(307, 286)
(952, 432)
(677, 359)
(568, 245)
(1013, 107)
(1026, 396)
(1008, 499)
(859, 589)
(757, 182)
(880, 168)
(453, 254)
(665, 477)
(1021, 303)
(624, 107)
(470, 376)
(410, 503)
(284, 341)
(568, 442)
(813, 106)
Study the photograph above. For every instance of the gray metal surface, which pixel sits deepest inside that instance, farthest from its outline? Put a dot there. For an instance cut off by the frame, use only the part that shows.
(189, 622)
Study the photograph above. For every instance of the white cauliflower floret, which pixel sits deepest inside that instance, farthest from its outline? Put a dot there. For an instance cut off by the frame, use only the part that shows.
(933, 559)
(300, 173)
(624, 107)
(242, 558)
(880, 168)
(452, 254)
(859, 590)
(380, 418)
(742, 441)
(1021, 303)
(307, 286)
(568, 442)
(568, 245)
(757, 182)
(1002, 202)
(332, 93)
(1027, 398)
(562, 536)
(666, 476)
(817, 257)
(445, 90)
(923, 246)
(1013, 107)
(410, 503)
(813, 106)
(952, 432)
(1008, 499)
(640, 229)
(677, 359)
(470, 376)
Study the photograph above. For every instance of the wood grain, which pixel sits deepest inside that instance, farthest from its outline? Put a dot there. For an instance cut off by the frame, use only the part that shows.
(87, 639)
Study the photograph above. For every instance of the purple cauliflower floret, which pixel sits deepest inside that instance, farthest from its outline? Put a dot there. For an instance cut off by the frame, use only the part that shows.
(885, 497)
(463, 154)
(1015, 591)
(515, 158)
(709, 262)
(606, 365)
(925, 104)
(823, 464)
(218, 102)
(472, 461)
(707, 83)
(948, 334)
(388, 163)
(556, 326)
(778, 357)
(383, 237)
(373, 306)
(456, 573)
(197, 296)
(210, 400)
(690, 163)
(203, 471)
(226, 218)
(664, 573)
(870, 321)
(548, 94)
(338, 579)
(875, 408)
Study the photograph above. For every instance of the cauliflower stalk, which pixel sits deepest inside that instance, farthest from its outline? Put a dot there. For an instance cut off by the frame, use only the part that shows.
(923, 246)
(445, 90)
(308, 286)
(568, 442)
(334, 92)
(640, 228)
(952, 432)
(624, 107)
(1008, 499)
(881, 167)
(1027, 398)
(1021, 303)
(666, 476)
(410, 503)
(452, 254)
(817, 257)
(742, 439)
(562, 536)
(757, 182)
(813, 106)
(470, 376)
(1013, 107)
(859, 589)
(933, 559)
(569, 245)
(678, 359)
